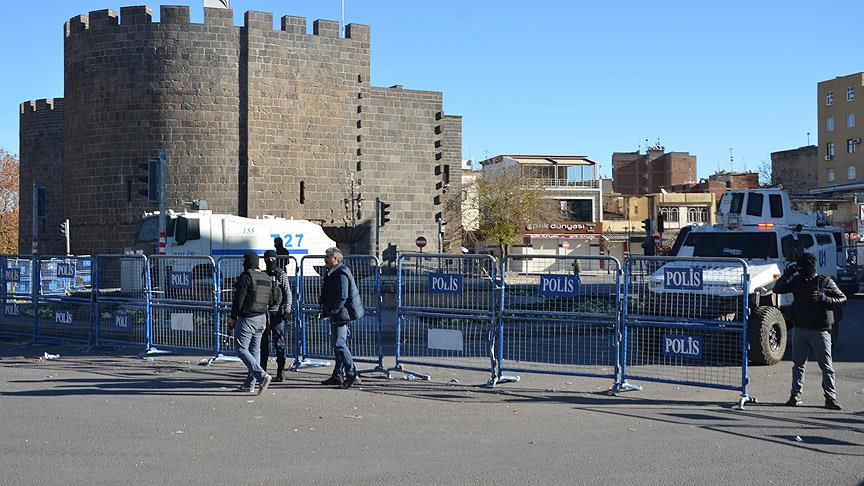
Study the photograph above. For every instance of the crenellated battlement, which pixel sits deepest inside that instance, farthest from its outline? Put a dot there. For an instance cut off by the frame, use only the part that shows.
(103, 19)
(178, 15)
(174, 14)
(136, 15)
(43, 104)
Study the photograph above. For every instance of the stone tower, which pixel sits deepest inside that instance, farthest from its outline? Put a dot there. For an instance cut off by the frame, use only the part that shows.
(255, 120)
(41, 145)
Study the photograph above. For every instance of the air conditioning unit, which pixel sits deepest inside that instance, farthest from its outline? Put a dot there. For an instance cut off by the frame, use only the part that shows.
(829, 157)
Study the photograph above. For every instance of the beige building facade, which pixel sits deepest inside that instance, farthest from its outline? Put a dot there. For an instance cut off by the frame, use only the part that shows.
(623, 237)
(572, 182)
(840, 111)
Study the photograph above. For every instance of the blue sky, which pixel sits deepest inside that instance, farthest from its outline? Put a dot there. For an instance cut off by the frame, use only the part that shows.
(555, 77)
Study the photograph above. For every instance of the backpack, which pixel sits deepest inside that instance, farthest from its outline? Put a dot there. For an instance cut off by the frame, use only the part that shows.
(354, 305)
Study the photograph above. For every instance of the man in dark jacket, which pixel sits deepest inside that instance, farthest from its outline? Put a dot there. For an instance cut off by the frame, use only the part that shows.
(278, 315)
(248, 318)
(815, 296)
(340, 304)
(280, 247)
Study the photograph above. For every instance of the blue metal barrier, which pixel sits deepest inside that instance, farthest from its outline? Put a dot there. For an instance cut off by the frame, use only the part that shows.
(446, 312)
(183, 302)
(365, 334)
(229, 269)
(64, 299)
(685, 322)
(19, 311)
(121, 290)
(559, 315)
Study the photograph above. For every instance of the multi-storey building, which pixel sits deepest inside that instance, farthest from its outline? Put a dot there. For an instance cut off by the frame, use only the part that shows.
(572, 181)
(635, 173)
(841, 160)
(796, 170)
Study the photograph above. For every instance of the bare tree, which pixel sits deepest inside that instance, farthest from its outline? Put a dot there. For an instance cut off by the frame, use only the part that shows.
(8, 202)
(782, 176)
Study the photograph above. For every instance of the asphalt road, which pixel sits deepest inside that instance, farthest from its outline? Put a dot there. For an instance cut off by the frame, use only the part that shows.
(110, 418)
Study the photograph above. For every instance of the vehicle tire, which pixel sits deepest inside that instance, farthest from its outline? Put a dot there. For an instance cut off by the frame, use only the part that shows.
(767, 336)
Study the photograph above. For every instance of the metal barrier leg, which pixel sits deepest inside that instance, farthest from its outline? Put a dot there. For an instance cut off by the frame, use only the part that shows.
(150, 350)
(497, 357)
(218, 357)
(408, 375)
(624, 387)
(744, 400)
(377, 369)
(301, 360)
(153, 351)
(306, 362)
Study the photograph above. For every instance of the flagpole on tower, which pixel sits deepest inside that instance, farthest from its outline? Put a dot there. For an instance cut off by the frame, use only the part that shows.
(342, 25)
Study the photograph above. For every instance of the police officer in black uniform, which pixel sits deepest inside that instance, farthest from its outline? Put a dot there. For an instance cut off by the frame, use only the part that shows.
(248, 319)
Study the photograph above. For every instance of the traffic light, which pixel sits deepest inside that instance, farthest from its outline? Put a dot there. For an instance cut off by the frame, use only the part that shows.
(151, 178)
(660, 220)
(648, 226)
(384, 213)
(648, 244)
(64, 228)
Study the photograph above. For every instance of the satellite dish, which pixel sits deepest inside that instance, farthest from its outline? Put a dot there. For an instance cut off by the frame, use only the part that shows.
(217, 3)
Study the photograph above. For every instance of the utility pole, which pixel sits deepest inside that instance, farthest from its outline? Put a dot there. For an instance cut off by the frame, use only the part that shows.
(163, 205)
(378, 228)
(35, 212)
(440, 236)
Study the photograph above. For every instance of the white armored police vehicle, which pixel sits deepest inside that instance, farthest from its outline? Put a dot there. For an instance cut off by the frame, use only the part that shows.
(760, 227)
(200, 232)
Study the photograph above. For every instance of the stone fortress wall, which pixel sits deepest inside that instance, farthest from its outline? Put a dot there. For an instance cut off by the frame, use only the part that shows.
(41, 147)
(255, 120)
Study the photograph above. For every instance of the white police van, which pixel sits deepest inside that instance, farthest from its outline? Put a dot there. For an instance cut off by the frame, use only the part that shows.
(760, 227)
(200, 232)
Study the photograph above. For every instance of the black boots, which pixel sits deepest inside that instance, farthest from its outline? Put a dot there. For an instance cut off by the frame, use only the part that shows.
(280, 363)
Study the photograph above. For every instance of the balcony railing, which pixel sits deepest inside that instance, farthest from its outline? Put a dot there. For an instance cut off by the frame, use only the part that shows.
(589, 184)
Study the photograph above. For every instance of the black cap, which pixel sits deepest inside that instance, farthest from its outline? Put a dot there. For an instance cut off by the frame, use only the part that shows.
(807, 260)
(807, 264)
(250, 260)
(270, 253)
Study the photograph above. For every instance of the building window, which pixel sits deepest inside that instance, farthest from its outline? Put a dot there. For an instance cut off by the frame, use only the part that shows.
(831, 175)
(850, 120)
(829, 149)
(829, 123)
(850, 93)
(697, 215)
(852, 145)
(851, 173)
(829, 98)
(302, 192)
(578, 209)
(671, 214)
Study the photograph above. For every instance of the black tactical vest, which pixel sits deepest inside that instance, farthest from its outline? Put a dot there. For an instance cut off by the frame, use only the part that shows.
(258, 298)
